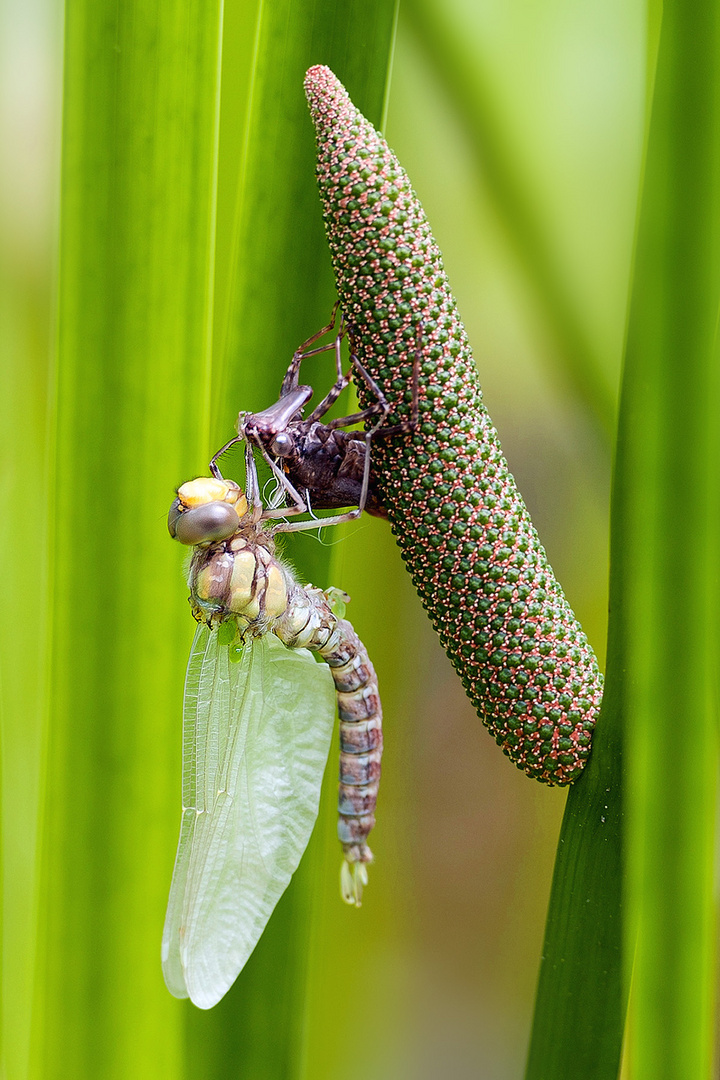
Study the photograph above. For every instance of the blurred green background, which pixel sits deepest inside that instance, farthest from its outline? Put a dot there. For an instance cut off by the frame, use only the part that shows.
(436, 974)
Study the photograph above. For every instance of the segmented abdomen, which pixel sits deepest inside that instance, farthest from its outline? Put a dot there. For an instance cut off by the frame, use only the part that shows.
(466, 536)
(309, 622)
(360, 739)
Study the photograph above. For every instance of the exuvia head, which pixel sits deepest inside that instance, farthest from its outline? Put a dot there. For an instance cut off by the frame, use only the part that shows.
(206, 511)
(282, 444)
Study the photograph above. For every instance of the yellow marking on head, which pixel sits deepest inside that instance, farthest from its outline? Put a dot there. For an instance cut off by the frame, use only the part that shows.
(206, 489)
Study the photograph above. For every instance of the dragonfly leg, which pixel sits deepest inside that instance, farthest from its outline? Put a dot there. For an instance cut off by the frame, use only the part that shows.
(300, 505)
(213, 467)
(333, 394)
(333, 519)
(341, 380)
(316, 523)
(252, 484)
(292, 374)
(380, 407)
(291, 381)
(405, 426)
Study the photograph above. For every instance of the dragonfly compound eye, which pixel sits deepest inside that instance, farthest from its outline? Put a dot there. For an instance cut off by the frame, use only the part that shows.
(203, 524)
(282, 444)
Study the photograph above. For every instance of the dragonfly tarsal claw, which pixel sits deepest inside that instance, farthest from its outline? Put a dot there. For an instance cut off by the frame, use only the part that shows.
(353, 879)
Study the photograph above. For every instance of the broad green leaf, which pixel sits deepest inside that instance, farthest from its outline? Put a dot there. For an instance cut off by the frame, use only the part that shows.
(580, 1006)
(134, 309)
(645, 862)
(274, 288)
(27, 221)
(669, 552)
(461, 73)
(132, 416)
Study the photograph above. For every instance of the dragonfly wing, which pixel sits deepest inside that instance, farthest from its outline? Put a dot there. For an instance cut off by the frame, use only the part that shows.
(256, 738)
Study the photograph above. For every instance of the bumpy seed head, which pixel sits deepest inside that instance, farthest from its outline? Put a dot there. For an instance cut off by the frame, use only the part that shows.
(466, 536)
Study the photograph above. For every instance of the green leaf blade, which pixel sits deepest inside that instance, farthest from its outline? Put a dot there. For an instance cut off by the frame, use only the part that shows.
(274, 288)
(663, 626)
(669, 459)
(137, 210)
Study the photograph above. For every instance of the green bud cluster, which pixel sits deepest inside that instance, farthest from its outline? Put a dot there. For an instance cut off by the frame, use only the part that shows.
(464, 531)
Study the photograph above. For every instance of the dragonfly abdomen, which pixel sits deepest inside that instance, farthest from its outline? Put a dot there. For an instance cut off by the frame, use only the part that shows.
(311, 623)
(360, 741)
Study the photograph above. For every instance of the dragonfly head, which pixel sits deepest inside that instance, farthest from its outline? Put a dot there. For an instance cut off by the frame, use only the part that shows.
(206, 510)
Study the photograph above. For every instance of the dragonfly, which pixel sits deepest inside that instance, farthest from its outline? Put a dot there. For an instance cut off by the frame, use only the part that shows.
(258, 719)
(320, 465)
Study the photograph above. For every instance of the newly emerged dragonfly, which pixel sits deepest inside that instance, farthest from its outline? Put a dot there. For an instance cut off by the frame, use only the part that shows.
(318, 465)
(258, 717)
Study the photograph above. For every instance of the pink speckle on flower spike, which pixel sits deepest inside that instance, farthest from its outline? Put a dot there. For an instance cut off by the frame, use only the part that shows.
(465, 533)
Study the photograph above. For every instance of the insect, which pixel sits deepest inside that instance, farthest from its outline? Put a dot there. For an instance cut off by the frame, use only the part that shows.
(465, 533)
(258, 716)
(318, 465)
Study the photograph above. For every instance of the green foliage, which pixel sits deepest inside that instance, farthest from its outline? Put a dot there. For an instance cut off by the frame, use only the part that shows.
(580, 1006)
(457, 67)
(656, 818)
(131, 409)
(668, 555)
(133, 384)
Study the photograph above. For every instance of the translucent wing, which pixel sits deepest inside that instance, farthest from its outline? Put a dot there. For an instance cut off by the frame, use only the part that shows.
(256, 736)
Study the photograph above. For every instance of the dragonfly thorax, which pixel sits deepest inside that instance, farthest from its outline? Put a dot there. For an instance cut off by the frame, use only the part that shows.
(234, 573)
(238, 578)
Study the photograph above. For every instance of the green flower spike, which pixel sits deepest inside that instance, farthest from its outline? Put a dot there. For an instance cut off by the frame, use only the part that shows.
(465, 534)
